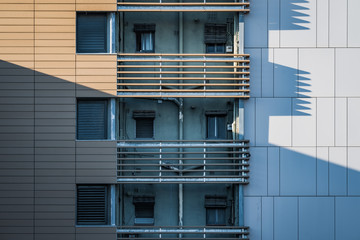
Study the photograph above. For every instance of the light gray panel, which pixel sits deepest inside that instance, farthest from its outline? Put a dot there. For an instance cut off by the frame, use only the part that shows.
(55, 223)
(322, 23)
(322, 176)
(340, 121)
(98, 144)
(250, 120)
(273, 121)
(267, 74)
(353, 122)
(325, 126)
(353, 170)
(256, 30)
(298, 24)
(316, 218)
(258, 173)
(338, 23)
(255, 66)
(298, 171)
(273, 171)
(285, 72)
(353, 23)
(347, 218)
(316, 74)
(347, 84)
(95, 230)
(267, 218)
(274, 23)
(337, 170)
(252, 216)
(285, 218)
(304, 122)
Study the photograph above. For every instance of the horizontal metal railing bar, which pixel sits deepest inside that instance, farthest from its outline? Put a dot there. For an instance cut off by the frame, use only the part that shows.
(203, 60)
(181, 72)
(187, 177)
(195, 180)
(184, 229)
(185, 238)
(185, 159)
(185, 54)
(184, 90)
(178, 95)
(187, 4)
(183, 164)
(185, 84)
(202, 141)
(184, 78)
(183, 66)
(184, 170)
(182, 152)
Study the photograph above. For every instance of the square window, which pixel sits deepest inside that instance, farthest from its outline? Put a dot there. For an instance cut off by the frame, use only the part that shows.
(92, 206)
(144, 210)
(215, 48)
(145, 37)
(216, 125)
(92, 119)
(215, 210)
(91, 32)
(144, 124)
(215, 37)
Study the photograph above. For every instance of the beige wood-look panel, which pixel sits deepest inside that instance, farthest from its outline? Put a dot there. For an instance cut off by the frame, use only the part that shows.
(96, 75)
(96, 7)
(55, 6)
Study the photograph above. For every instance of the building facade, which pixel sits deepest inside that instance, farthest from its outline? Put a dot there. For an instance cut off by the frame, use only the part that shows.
(136, 120)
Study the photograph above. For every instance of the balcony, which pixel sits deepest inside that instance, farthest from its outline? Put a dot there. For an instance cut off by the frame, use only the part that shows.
(228, 233)
(208, 161)
(183, 75)
(203, 6)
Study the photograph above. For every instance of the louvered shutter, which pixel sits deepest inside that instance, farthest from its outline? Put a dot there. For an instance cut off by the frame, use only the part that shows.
(92, 205)
(92, 120)
(91, 33)
(215, 33)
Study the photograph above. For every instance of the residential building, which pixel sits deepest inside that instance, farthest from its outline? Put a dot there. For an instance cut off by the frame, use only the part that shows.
(138, 119)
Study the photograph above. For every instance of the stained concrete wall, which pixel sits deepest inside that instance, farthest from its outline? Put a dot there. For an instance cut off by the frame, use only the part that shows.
(302, 120)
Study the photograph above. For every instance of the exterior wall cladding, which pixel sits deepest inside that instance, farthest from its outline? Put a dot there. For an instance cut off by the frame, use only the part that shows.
(172, 159)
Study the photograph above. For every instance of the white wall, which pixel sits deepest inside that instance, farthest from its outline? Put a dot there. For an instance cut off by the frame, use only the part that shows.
(303, 120)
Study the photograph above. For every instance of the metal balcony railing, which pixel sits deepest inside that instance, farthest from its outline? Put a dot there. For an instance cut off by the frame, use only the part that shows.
(183, 75)
(195, 6)
(188, 233)
(208, 161)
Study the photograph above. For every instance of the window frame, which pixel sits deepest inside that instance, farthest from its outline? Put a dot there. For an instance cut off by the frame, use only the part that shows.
(141, 29)
(219, 134)
(105, 47)
(144, 115)
(217, 204)
(144, 202)
(107, 206)
(106, 117)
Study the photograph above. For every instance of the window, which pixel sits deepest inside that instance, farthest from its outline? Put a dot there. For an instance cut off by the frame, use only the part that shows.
(216, 125)
(215, 48)
(92, 119)
(145, 37)
(215, 211)
(215, 37)
(91, 33)
(144, 123)
(144, 210)
(92, 205)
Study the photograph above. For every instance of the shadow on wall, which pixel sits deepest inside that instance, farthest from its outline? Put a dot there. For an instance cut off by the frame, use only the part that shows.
(295, 158)
(37, 152)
